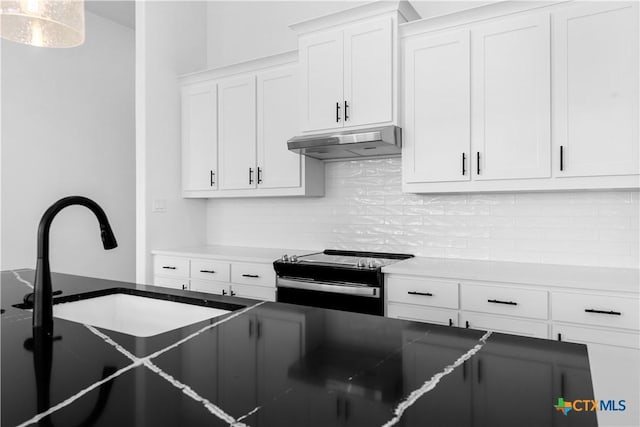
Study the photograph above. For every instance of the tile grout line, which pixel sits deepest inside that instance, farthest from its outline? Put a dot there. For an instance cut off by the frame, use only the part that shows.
(146, 361)
(430, 384)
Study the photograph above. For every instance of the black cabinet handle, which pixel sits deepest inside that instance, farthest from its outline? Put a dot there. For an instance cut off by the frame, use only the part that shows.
(168, 267)
(337, 112)
(250, 328)
(466, 324)
(212, 181)
(259, 175)
(613, 313)
(346, 111)
(207, 271)
(254, 276)
(479, 371)
(464, 371)
(184, 287)
(450, 322)
(224, 292)
(495, 301)
(259, 329)
(250, 175)
(426, 294)
(347, 407)
(477, 163)
(559, 337)
(464, 158)
(233, 294)
(562, 157)
(562, 381)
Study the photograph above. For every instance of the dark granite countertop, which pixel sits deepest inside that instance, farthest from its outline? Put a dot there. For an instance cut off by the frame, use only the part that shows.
(272, 364)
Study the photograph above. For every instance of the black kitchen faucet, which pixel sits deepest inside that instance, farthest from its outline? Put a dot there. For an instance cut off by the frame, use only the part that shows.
(42, 292)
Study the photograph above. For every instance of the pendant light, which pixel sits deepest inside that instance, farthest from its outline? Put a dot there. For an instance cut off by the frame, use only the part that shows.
(44, 23)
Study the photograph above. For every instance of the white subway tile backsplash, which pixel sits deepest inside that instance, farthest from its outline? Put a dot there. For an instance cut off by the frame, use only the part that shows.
(364, 209)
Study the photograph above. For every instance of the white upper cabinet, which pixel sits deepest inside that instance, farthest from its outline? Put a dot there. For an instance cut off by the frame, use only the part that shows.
(536, 98)
(436, 128)
(595, 78)
(349, 67)
(199, 137)
(237, 133)
(368, 73)
(511, 98)
(278, 120)
(236, 121)
(321, 58)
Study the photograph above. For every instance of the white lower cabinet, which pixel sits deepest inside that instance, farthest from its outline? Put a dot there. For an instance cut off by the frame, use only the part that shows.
(505, 325)
(241, 279)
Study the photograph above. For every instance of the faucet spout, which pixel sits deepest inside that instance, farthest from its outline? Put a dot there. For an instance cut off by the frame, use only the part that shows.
(42, 289)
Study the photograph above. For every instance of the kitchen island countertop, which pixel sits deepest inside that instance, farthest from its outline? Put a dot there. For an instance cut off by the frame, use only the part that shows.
(272, 364)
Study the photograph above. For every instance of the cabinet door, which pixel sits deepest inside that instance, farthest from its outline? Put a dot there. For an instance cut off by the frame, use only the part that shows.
(450, 402)
(321, 73)
(237, 374)
(501, 401)
(210, 286)
(511, 99)
(280, 346)
(437, 108)
(237, 133)
(504, 325)
(199, 137)
(595, 79)
(277, 122)
(368, 73)
(254, 292)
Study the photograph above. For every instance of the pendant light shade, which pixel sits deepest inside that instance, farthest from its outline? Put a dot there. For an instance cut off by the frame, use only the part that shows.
(44, 23)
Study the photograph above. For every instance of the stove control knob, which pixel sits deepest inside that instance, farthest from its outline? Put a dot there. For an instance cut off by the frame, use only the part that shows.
(361, 263)
(371, 264)
(285, 258)
(293, 258)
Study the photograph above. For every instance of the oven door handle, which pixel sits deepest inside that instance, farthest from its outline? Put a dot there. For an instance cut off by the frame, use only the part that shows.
(347, 288)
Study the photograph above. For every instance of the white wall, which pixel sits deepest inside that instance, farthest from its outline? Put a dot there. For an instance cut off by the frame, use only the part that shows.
(170, 41)
(68, 129)
(243, 30)
(364, 209)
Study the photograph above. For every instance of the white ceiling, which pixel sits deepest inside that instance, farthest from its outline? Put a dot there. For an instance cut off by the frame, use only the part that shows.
(122, 12)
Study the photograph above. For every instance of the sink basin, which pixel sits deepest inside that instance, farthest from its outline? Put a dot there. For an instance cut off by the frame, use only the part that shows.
(133, 314)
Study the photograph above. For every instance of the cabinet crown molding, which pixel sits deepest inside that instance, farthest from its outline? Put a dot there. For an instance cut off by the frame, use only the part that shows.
(369, 10)
(473, 15)
(252, 65)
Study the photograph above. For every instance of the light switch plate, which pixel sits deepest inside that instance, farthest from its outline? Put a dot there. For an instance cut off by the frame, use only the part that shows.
(159, 205)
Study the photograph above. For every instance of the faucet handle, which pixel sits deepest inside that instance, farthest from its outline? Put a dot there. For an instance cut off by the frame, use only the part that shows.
(28, 298)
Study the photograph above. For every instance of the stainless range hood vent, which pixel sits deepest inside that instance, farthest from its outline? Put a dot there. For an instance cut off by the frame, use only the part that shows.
(375, 142)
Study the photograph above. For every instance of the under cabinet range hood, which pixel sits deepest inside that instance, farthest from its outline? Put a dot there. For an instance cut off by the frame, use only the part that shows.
(373, 142)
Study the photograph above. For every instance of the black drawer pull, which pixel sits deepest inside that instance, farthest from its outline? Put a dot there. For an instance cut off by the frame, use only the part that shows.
(207, 271)
(426, 294)
(591, 310)
(168, 267)
(495, 301)
(254, 276)
(464, 158)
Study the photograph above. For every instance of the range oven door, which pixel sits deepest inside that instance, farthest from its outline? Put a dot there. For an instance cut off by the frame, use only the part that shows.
(352, 297)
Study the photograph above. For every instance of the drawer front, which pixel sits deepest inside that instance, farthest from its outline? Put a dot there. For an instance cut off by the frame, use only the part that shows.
(171, 282)
(422, 314)
(210, 287)
(203, 269)
(599, 310)
(508, 301)
(505, 325)
(595, 336)
(254, 292)
(170, 266)
(253, 274)
(425, 292)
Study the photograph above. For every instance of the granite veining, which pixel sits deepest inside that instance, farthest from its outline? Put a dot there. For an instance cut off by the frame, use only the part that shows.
(272, 364)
